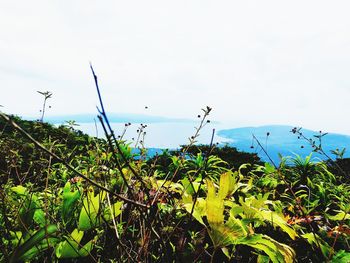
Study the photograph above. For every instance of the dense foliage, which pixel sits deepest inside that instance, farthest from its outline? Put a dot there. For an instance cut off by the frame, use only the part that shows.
(96, 200)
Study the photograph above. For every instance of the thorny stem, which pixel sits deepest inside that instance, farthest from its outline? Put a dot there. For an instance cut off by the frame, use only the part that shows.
(121, 172)
(46, 199)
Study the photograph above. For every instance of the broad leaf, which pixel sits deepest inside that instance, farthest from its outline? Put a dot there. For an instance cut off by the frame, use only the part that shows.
(89, 212)
(198, 211)
(227, 184)
(113, 211)
(34, 240)
(228, 233)
(277, 220)
(71, 248)
(278, 252)
(70, 197)
(215, 205)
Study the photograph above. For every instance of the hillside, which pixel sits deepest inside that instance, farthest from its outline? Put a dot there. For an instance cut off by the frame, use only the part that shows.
(68, 197)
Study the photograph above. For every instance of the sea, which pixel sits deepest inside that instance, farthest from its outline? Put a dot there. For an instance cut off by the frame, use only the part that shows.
(165, 135)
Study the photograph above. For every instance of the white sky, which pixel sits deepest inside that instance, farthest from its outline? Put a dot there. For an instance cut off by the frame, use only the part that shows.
(255, 62)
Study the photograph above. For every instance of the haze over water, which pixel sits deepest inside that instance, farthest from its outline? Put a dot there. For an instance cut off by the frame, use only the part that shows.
(161, 135)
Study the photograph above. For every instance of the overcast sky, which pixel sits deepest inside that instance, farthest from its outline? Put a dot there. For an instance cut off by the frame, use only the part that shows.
(255, 62)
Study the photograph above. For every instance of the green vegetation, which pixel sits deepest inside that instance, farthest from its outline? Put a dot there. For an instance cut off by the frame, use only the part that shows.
(94, 199)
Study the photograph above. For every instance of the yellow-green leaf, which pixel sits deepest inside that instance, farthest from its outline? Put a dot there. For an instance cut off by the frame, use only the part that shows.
(215, 205)
(278, 252)
(198, 211)
(91, 205)
(226, 184)
(275, 219)
(340, 216)
(116, 210)
(71, 247)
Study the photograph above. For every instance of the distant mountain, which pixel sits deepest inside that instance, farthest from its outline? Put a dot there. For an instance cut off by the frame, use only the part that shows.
(282, 140)
(114, 117)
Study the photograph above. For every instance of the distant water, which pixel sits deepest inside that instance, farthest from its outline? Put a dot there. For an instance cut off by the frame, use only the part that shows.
(161, 135)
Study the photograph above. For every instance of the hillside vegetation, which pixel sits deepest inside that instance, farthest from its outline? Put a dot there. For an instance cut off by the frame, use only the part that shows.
(68, 197)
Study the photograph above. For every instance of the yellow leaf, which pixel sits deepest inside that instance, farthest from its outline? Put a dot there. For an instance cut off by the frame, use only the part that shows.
(224, 185)
(215, 205)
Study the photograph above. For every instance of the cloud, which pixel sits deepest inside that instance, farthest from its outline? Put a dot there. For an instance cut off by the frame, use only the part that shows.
(256, 62)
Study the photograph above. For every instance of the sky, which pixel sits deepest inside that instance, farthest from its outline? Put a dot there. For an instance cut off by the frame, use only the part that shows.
(254, 62)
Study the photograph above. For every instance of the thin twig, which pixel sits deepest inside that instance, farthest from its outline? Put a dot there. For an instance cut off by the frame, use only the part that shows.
(264, 150)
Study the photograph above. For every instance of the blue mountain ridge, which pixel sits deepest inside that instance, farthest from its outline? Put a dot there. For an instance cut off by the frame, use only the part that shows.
(282, 141)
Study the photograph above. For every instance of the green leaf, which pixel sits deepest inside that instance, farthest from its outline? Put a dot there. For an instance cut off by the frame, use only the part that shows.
(187, 186)
(341, 257)
(116, 210)
(19, 189)
(69, 200)
(314, 240)
(226, 252)
(16, 238)
(339, 217)
(71, 248)
(27, 211)
(228, 233)
(263, 259)
(257, 209)
(198, 211)
(39, 217)
(28, 206)
(36, 250)
(277, 220)
(277, 252)
(34, 240)
(89, 212)
(171, 186)
(247, 186)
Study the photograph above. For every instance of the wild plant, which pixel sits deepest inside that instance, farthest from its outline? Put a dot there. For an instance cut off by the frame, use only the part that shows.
(47, 95)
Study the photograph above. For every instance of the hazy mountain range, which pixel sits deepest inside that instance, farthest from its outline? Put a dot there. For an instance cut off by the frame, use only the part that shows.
(279, 141)
(282, 140)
